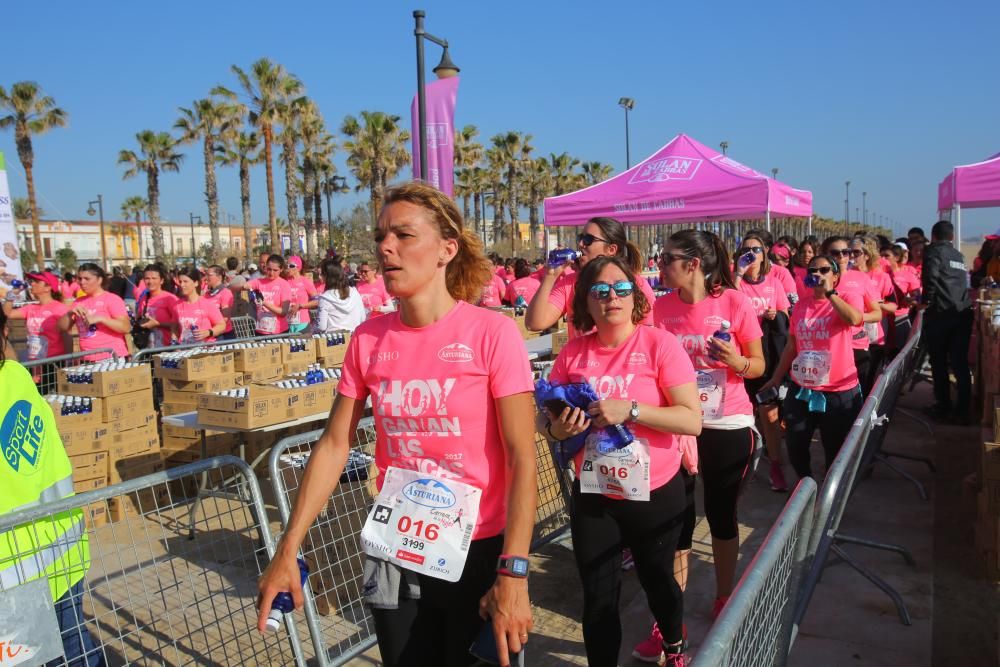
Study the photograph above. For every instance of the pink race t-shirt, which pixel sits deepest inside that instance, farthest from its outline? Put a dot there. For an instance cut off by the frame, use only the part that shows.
(276, 292)
(817, 327)
(303, 291)
(643, 368)
(907, 282)
(882, 285)
(433, 392)
(768, 293)
(373, 295)
(799, 275)
(69, 290)
(202, 314)
(565, 288)
(42, 323)
(160, 308)
(856, 282)
(222, 298)
(522, 287)
(493, 293)
(108, 305)
(721, 390)
(784, 276)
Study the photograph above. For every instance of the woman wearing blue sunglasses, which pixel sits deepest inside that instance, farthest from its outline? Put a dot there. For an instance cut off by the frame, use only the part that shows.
(601, 237)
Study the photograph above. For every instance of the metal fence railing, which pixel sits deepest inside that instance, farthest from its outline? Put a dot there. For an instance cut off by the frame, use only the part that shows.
(244, 326)
(754, 628)
(149, 594)
(45, 371)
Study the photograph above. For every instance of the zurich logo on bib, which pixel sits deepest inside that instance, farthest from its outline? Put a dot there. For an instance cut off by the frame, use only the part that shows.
(429, 493)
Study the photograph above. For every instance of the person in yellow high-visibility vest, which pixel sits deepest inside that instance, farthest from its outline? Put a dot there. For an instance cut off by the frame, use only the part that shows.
(34, 470)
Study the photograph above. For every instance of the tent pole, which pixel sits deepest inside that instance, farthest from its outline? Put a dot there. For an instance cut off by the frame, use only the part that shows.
(957, 217)
(768, 220)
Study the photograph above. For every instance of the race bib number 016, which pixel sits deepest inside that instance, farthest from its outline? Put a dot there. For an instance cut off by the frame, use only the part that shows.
(620, 473)
(422, 523)
(811, 368)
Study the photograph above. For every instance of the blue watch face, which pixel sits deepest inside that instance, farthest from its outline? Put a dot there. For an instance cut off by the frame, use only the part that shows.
(519, 566)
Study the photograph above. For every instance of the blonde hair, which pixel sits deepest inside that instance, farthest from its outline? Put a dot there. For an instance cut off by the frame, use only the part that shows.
(469, 271)
(870, 247)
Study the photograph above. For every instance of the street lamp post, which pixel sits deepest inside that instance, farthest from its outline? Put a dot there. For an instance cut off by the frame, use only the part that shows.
(446, 68)
(90, 211)
(847, 206)
(482, 196)
(193, 217)
(334, 184)
(628, 104)
(774, 173)
(864, 208)
(724, 145)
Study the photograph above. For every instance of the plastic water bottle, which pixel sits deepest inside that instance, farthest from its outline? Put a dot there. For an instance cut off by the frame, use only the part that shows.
(722, 334)
(18, 284)
(560, 256)
(283, 603)
(745, 260)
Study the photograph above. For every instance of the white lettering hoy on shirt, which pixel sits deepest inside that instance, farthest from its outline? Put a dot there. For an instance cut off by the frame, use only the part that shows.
(607, 386)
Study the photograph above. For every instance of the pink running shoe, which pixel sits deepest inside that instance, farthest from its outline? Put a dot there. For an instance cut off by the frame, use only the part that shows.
(627, 561)
(676, 660)
(778, 482)
(651, 648)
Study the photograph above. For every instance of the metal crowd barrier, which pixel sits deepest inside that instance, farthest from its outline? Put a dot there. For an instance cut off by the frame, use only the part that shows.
(244, 326)
(339, 623)
(45, 371)
(860, 447)
(754, 628)
(150, 594)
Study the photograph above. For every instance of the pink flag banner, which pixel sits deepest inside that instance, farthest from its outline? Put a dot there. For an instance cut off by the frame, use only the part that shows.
(440, 124)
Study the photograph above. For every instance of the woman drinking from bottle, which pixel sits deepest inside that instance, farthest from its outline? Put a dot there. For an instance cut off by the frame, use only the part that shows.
(824, 392)
(626, 495)
(450, 384)
(718, 328)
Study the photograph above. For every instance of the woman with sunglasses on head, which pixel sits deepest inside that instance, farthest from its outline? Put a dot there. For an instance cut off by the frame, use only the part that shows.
(217, 292)
(906, 286)
(864, 254)
(658, 403)
(155, 307)
(100, 317)
(824, 393)
(754, 278)
(705, 302)
(554, 298)
(858, 283)
(272, 297)
(450, 386)
(196, 319)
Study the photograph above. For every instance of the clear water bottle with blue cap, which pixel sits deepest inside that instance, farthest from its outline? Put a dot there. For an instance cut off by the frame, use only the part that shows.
(560, 256)
(283, 603)
(722, 333)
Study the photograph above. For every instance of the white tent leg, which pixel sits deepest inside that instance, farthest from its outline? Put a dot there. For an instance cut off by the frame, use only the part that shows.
(957, 220)
(767, 219)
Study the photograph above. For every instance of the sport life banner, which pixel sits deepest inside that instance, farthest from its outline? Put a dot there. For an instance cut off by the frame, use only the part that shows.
(440, 124)
(10, 256)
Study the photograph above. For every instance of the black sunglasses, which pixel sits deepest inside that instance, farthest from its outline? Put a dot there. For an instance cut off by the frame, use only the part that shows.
(755, 250)
(602, 291)
(840, 253)
(588, 239)
(820, 269)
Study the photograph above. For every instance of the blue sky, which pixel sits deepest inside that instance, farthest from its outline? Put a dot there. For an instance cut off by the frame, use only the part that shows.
(888, 95)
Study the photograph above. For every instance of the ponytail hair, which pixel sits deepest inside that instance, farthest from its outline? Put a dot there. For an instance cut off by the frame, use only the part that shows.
(469, 270)
(614, 232)
(710, 249)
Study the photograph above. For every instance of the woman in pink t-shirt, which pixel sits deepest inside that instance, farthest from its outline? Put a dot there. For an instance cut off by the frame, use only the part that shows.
(524, 286)
(69, 287)
(704, 301)
(554, 298)
(41, 316)
(100, 317)
(155, 307)
(219, 293)
(906, 287)
(450, 385)
(632, 497)
(864, 254)
(273, 297)
(196, 319)
(493, 292)
(770, 302)
(303, 296)
(800, 264)
(824, 391)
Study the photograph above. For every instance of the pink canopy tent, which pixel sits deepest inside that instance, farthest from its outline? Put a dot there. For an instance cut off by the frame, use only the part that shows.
(685, 181)
(969, 186)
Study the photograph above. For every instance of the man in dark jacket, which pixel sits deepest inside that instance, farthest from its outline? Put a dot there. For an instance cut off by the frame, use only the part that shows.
(947, 322)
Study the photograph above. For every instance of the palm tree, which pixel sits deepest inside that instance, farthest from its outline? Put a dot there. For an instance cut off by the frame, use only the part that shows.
(538, 186)
(317, 145)
(132, 208)
(464, 189)
(243, 149)
(208, 120)
(157, 153)
(267, 86)
(596, 172)
(496, 167)
(21, 208)
(564, 179)
(468, 154)
(512, 150)
(31, 112)
(291, 115)
(376, 152)
(478, 183)
(322, 164)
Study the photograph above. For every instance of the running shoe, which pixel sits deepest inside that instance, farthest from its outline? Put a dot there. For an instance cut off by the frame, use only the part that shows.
(778, 482)
(679, 659)
(718, 605)
(650, 649)
(627, 561)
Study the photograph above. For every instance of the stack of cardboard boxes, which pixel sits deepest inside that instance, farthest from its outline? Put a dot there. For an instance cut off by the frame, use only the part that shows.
(117, 440)
(987, 530)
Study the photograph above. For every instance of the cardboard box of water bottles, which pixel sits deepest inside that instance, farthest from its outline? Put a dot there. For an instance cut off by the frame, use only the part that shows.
(297, 350)
(104, 378)
(248, 357)
(74, 412)
(193, 364)
(249, 407)
(331, 348)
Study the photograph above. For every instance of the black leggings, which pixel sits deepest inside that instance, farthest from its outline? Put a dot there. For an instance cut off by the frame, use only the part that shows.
(438, 629)
(834, 424)
(863, 364)
(724, 460)
(601, 527)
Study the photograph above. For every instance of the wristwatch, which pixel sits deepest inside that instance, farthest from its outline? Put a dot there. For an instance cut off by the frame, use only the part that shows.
(832, 292)
(633, 414)
(512, 566)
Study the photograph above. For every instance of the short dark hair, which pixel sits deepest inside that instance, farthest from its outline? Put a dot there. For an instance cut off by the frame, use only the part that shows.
(334, 278)
(582, 320)
(943, 231)
(277, 259)
(917, 230)
(521, 268)
(232, 263)
(194, 274)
